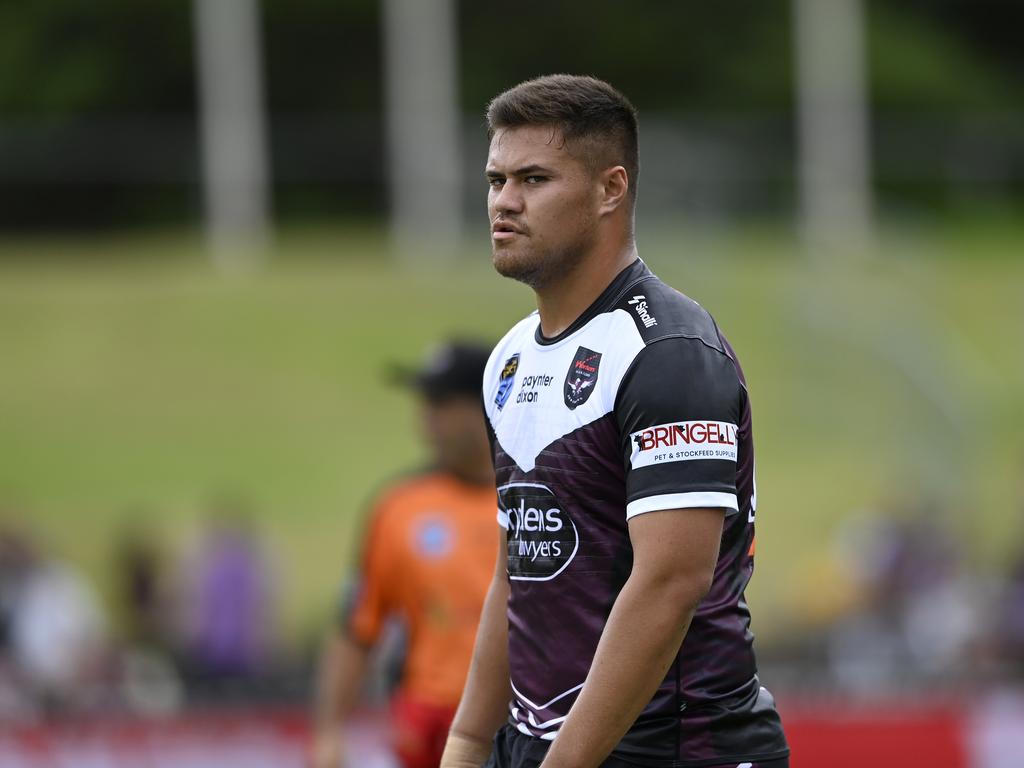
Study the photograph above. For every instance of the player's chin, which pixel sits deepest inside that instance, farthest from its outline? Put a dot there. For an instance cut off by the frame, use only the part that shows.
(506, 260)
(515, 264)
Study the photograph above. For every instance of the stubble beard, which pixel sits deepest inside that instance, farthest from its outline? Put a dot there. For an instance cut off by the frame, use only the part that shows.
(540, 267)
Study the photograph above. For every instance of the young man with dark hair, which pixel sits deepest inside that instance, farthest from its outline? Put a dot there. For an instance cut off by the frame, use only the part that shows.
(615, 631)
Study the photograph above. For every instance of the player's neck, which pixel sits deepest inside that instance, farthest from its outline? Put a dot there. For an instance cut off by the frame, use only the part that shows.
(478, 474)
(562, 302)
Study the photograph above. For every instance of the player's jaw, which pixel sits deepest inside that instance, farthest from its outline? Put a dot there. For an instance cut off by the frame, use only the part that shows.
(512, 252)
(513, 258)
(537, 262)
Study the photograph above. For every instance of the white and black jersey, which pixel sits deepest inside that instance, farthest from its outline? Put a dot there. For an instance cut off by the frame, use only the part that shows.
(639, 406)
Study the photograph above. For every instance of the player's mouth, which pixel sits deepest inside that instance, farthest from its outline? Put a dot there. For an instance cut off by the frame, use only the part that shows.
(504, 230)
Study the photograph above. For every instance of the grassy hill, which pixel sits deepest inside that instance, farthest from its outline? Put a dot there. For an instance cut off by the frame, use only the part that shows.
(137, 382)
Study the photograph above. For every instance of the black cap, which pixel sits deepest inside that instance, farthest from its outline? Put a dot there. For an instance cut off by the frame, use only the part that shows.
(454, 368)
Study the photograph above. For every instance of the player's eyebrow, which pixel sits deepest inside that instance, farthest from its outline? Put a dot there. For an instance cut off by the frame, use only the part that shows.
(526, 170)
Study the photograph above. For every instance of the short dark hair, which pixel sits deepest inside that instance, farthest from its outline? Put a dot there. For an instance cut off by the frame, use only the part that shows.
(582, 108)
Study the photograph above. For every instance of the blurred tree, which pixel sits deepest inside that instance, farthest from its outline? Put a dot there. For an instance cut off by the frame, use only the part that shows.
(323, 55)
(990, 27)
(63, 58)
(922, 60)
(671, 56)
(99, 98)
(325, 95)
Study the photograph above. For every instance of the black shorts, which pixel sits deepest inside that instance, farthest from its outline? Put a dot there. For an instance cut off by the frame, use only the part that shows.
(514, 749)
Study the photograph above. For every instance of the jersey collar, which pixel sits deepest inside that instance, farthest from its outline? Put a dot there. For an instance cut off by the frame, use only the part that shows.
(609, 296)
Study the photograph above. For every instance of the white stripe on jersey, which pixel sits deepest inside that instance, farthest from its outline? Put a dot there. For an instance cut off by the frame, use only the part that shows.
(683, 501)
(539, 707)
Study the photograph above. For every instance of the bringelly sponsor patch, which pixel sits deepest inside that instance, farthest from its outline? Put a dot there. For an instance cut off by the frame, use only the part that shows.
(683, 441)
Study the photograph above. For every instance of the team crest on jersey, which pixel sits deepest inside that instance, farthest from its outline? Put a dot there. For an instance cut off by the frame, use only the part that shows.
(505, 381)
(581, 378)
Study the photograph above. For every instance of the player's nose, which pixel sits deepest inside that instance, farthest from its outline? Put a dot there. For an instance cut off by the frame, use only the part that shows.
(508, 199)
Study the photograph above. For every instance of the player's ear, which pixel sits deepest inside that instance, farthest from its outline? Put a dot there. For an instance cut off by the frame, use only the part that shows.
(614, 186)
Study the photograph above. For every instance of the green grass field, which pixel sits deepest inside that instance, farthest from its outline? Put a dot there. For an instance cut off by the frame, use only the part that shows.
(137, 381)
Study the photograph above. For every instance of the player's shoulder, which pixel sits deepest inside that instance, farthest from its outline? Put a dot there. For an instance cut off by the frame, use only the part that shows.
(511, 341)
(661, 312)
(405, 490)
(678, 337)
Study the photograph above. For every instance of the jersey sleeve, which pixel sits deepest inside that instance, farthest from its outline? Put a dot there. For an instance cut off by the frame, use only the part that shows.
(678, 409)
(368, 601)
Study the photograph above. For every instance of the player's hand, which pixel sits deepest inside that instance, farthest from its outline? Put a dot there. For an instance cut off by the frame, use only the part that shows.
(464, 752)
(326, 750)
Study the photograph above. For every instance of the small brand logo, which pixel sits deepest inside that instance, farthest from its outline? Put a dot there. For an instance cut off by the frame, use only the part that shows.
(505, 381)
(529, 387)
(581, 378)
(684, 441)
(639, 303)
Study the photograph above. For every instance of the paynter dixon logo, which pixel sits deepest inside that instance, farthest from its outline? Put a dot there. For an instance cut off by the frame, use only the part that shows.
(581, 378)
(542, 538)
(683, 441)
(505, 381)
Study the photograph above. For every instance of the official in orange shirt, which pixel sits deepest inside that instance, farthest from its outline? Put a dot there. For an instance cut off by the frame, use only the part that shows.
(428, 559)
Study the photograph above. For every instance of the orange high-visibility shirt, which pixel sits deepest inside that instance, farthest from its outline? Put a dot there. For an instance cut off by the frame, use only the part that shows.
(428, 558)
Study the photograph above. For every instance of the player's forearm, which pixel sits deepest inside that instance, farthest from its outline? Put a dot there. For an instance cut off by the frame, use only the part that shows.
(339, 681)
(487, 691)
(484, 704)
(637, 648)
(340, 677)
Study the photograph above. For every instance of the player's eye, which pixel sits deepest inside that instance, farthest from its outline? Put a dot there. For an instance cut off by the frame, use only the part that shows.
(536, 179)
(495, 182)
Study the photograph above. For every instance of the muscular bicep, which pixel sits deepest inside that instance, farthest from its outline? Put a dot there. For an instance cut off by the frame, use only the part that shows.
(678, 547)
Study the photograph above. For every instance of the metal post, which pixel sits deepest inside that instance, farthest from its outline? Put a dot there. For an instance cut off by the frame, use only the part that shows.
(834, 155)
(424, 164)
(233, 132)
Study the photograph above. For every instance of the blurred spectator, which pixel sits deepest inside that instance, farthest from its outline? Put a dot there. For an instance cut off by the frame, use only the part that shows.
(16, 559)
(150, 684)
(142, 594)
(15, 562)
(1008, 613)
(228, 606)
(53, 631)
(1010, 620)
(917, 618)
